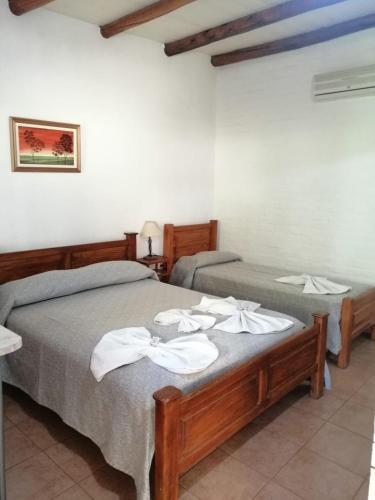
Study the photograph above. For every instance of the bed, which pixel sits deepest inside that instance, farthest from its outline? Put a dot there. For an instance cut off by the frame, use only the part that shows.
(350, 314)
(140, 410)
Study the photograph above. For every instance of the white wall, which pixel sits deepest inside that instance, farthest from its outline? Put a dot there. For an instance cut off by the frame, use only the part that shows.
(147, 124)
(295, 179)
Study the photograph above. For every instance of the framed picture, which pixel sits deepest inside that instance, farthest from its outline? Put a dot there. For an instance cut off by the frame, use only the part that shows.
(41, 146)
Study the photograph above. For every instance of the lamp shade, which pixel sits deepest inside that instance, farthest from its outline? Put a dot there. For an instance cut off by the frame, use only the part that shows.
(150, 229)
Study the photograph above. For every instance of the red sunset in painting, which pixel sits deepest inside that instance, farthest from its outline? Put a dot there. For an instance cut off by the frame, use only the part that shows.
(45, 146)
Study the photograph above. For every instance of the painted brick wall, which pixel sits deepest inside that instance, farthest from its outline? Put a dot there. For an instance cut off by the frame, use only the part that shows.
(295, 179)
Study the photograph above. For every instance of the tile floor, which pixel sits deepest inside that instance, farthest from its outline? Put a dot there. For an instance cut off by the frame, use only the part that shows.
(299, 449)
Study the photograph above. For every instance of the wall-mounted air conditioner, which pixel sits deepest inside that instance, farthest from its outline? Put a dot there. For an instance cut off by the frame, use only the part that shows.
(355, 82)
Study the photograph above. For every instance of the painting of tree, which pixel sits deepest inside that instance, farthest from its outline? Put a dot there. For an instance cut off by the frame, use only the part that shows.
(57, 149)
(41, 146)
(64, 146)
(36, 145)
(66, 143)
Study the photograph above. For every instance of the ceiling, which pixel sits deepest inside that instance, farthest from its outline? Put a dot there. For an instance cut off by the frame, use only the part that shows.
(204, 14)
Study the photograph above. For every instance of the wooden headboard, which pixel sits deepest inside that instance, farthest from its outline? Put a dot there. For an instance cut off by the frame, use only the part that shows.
(16, 265)
(188, 240)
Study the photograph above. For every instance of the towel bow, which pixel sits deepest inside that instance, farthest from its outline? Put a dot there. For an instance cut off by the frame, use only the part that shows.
(225, 307)
(315, 284)
(183, 355)
(187, 322)
(251, 322)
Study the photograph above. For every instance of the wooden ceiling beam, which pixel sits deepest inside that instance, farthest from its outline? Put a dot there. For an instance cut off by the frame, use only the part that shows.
(244, 24)
(19, 7)
(153, 11)
(295, 42)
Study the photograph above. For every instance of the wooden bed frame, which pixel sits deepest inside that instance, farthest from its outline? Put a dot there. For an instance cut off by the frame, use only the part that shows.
(357, 313)
(16, 265)
(190, 426)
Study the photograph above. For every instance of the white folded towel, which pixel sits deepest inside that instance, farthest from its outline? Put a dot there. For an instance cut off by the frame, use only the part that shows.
(182, 355)
(315, 284)
(251, 322)
(187, 322)
(225, 307)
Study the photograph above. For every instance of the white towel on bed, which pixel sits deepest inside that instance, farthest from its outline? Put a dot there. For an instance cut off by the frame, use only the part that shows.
(187, 322)
(251, 322)
(182, 355)
(315, 284)
(225, 307)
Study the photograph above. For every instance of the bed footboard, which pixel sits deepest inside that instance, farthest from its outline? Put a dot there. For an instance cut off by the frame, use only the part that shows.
(189, 427)
(357, 316)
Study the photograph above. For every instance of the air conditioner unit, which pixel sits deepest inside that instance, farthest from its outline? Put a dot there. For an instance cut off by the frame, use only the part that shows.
(355, 82)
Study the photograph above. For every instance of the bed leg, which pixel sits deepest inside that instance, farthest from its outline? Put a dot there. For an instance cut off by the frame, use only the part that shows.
(346, 324)
(317, 380)
(167, 412)
(343, 359)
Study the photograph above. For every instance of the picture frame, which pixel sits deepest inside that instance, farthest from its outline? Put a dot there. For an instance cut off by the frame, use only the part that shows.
(44, 146)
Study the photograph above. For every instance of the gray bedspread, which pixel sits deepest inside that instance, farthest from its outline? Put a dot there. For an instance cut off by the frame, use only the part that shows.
(244, 280)
(53, 366)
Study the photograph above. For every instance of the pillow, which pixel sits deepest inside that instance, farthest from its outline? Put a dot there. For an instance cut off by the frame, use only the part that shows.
(53, 284)
(212, 257)
(184, 270)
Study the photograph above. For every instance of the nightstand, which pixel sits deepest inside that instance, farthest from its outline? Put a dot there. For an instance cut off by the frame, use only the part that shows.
(159, 264)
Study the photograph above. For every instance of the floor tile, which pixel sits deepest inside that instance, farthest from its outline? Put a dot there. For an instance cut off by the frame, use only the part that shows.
(277, 409)
(75, 493)
(368, 367)
(364, 347)
(107, 483)
(78, 457)
(350, 450)
(18, 447)
(36, 478)
(263, 451)
(323, 407)
(355, 418)
(46, 431)
(315, 478)
(365, 396)
(7, 423)
(220, 477)
(18, 410)
(185, 495)
(295, 425)
(366, 358)
(273, 491)
(346, 382)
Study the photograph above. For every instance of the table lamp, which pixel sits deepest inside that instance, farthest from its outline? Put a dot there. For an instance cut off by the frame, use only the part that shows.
(150, 229)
